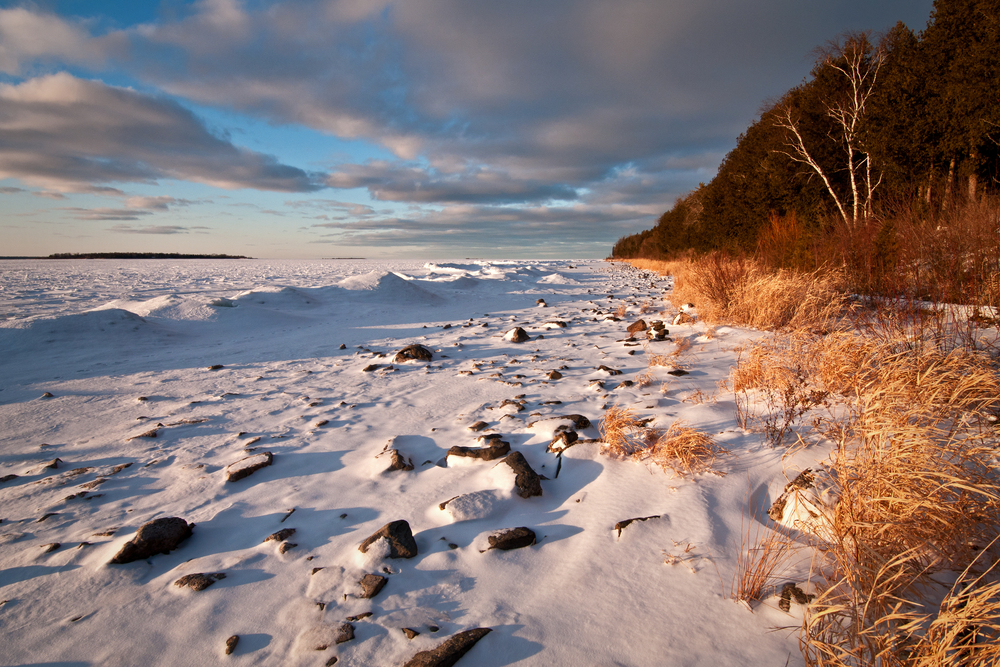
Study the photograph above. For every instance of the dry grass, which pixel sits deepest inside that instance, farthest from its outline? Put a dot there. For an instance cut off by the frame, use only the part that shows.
(762, 556)
(621, 432)
(621, 310)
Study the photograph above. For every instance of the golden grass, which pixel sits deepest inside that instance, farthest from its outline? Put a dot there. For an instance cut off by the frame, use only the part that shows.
(762, 556)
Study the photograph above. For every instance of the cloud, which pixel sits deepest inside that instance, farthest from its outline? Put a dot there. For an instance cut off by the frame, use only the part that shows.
(152, 229)
(10, 191)
(73, 135)
(104, 213)
(28, 36)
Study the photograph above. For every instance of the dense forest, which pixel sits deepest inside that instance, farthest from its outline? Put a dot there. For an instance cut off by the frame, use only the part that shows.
(887, 131)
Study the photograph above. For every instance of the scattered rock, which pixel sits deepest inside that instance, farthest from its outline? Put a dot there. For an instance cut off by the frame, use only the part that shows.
(321, 423)
(332, 661)
(448, 653)
(247, 466)
(496, 449)
(53, 464)
(345, 633)
(49, 548)
(555, 375)
(563, 440)
(512, 538)
(620, 526)
(413, 353)
(609, 371)
(790, 591)
(398, 462)
(678, 372)
(47, 516)
(555, 324)
(636, 327)
(579, 421)
(526, 480)
(121, 466)
(541, 302)
(158, 536)
(231, 644)
(280, 536)
(517, 335)
(7, 478)
(215, 367)
(148, 434)
(371, 584)
(410, 633)
(804, 480)
(399, 536)
(47, 395)
(478, 426)
(200, 581)
(624, 384)
(286, 547)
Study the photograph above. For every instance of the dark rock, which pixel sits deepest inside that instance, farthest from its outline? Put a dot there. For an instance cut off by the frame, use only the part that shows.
(791, 592)
(495, 450)
(371, 584)
(398, 462)
(410, 633)
(515, 404)
(579, 421)
(332, 661)
(280, 536)
(360, 616)
(620, 526)
(517, 335)
(231, 644)
(526, 480)
(53, 464)
(121, 466)
(46, 516)
(200, 581)
(512, 538)
(448, 653)
(678, 372)
(247, 466)
(559, 324)
(49, 548)
(401, 542)
(344, 634)
(555, 375)
(540, 302)
(286, 547)
(478, 426)
(624, 384)
(148, 434)
(7, 478)
(447, 326)
(563, 440)
(215, 367)
(413, 353)
(804, 480)
(47, 395)
(637, 326)
(433, 628)
(609, 371)
(158, 536)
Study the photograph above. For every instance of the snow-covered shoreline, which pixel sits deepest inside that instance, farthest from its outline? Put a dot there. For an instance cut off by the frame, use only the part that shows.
(657, 594)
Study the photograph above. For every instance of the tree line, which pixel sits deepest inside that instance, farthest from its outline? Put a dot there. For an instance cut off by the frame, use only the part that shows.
(902, 120)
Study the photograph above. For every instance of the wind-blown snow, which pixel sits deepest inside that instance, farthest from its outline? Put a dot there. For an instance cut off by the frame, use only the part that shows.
(126, 347)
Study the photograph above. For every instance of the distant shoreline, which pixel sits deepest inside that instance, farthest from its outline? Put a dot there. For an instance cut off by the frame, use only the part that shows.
(131, 255)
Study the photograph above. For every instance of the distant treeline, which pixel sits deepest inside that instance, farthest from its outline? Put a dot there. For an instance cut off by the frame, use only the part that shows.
(138, 255)
(901, 121)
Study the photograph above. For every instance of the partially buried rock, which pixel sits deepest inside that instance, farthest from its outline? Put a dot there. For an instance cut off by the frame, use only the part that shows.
(512, 538)
(231, 644)
(609, 370)
(247, 466)
(159, 536)
(345, 633)
(478, 426)
(555, 375)
(7, 478)
(413, 353)
(526, 480)
(399, 536)
(397, 462)
(200, 581)
(371, 584)
(517, 335)
(410, 633)
(636, 327)
(280, 536)
(495, 450)
(448, 653)
(562, 440)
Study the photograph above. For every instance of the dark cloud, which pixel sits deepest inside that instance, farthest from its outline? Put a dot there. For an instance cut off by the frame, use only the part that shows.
(10, 191)
(104, 213)
(69, 134)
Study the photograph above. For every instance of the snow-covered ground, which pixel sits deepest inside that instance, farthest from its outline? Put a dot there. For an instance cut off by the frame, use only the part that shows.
(125, 349)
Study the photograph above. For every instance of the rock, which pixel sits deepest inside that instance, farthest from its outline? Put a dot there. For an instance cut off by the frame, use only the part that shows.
(286, 547)
(791, 592)
(624, 384)
(231, 644)
(678, 372)
(53, 464)
(555, 324)
(360, 616)
(410, 633)
(804, 480)
(398, 462)
(636, 327)
(47, 395)
(247, 466)
(148, 434)
(448, 653)
(345, 633)
(371, 367)
(579, 421)
(496, 449)
(526, 480)
(121, 466)
(562, 440)
(540, 302)
(332, 661)
(7, 478)
(280, 536)
(215, 367)
(512, 538)
(609, 371)
(49, 548)
(620, 526)
(413, 353)
(200, 581)
(158, 536)
(371, 584)
(517, 335)
(397, 533)
(478, 426)
(555, 375)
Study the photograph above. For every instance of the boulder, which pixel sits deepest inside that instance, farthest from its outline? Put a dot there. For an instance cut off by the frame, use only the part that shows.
(517, 335)
(526, 480)
(248, 466)
(448, 653)
(413, 353)
(636, 327)
(156, 537)
(512, 538)
(397, 533)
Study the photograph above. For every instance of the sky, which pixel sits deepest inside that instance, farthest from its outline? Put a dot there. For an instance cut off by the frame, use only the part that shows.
(383, 129)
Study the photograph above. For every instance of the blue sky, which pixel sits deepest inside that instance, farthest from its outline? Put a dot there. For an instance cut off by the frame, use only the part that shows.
(381, 128)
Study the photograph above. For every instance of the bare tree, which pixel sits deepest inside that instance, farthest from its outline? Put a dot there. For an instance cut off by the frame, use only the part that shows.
(859, 63)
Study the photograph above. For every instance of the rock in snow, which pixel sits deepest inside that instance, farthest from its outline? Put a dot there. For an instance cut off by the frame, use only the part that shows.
(526, 481)
(448, 653)
(397, 533)
(156, 537)
(413, 353)
(512, 538)
(248, 466)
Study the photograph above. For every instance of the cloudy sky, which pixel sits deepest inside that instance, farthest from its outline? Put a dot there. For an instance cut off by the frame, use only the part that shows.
(381, 128)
